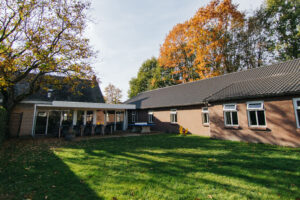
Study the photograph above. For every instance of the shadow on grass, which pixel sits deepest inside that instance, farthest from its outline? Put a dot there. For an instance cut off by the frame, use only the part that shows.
(151, 167)
(35, 172)
(272, 169)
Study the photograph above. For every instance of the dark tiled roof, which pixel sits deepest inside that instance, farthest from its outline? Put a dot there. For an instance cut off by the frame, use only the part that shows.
(278, 85)
(84, 93)
(198, 92)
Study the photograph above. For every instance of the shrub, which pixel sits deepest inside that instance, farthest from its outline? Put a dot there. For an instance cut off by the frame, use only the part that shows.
(2, 124)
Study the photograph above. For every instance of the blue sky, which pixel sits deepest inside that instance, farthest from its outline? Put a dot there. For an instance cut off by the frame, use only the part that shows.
(127, 32)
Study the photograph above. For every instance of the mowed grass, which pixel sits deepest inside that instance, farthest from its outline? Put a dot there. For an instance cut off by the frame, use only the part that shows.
(156, 167)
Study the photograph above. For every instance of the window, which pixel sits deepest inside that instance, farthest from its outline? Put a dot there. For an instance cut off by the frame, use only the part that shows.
(256, 114)
(150, 116)
(297, 111)
(230, 115)
(133, 116)
(173, 116)
(205, 116)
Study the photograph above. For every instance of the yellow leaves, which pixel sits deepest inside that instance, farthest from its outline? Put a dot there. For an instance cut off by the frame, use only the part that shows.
(199, 42)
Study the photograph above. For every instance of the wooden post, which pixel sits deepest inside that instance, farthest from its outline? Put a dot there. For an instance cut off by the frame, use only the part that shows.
(115, 123)
(60, 124)
(74, 117)
(125, 121)
(84, 123)
(94, 121)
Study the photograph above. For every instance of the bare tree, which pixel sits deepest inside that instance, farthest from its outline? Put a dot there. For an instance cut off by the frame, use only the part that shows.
(113, 94)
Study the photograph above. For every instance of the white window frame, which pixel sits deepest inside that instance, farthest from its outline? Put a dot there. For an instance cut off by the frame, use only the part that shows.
(133, 116)
(205, 111)
(295, 100)
(262, 108)
(150, 116)
(230, 111)
(173, 112)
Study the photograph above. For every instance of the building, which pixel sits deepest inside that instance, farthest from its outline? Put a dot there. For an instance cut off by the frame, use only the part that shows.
(55, 111)
(260, 105)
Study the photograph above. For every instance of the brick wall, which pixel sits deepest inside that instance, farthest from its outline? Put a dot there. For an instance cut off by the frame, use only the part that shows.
(280, 119)
(27, 119)
(188, 117)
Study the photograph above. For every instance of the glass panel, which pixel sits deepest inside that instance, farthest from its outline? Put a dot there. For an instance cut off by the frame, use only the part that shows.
(67, 118)
(227, 118)
(235, 118)
(150, 118)
(229, 107)
(252, 118)
(53, 123)
(80, 116)
(298, 113)
(255, 105)
(261, 118)
(298, 103)
(173, 118)
(133, 116)
(89, 117)
(40, 124)
(205, 118)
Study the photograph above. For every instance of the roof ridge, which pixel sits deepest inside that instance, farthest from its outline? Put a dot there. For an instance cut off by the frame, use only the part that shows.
(265, 66)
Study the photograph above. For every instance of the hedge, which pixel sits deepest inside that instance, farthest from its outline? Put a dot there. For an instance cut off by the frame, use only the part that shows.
(2, 124)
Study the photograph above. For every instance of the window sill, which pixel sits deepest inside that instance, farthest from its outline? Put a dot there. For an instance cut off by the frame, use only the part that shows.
(233, 127)
(173, 123)
(259, 128)
(206, 125)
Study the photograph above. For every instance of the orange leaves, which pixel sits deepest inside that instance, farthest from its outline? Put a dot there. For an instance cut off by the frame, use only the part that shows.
(197, 48)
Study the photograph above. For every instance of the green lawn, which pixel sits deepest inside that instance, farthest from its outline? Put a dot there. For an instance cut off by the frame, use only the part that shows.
(148, 167)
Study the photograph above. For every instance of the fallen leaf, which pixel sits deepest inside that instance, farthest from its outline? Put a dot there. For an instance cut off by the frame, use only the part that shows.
(210, 196)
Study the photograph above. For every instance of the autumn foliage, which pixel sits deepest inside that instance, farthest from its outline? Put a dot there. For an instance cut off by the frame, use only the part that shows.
(39, 39)
(198, 48)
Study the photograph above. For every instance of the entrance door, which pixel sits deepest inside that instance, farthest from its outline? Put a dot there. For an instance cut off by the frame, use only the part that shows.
(41, 123)
(53, 123)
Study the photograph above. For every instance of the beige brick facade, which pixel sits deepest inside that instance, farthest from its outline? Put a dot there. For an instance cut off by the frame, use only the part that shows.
(188, 117)
(27, 111)
(281, 128)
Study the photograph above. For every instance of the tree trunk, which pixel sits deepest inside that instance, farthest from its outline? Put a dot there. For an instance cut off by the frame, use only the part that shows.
(9, 104)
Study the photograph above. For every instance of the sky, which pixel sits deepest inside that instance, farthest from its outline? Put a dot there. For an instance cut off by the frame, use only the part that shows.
(127, 32)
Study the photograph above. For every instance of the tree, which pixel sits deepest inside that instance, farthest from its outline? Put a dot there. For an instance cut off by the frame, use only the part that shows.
(144, 77)
(200, 47)
(39, 39)
(283, 18)
(175, 54)
(113, 94)
(254, 41)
